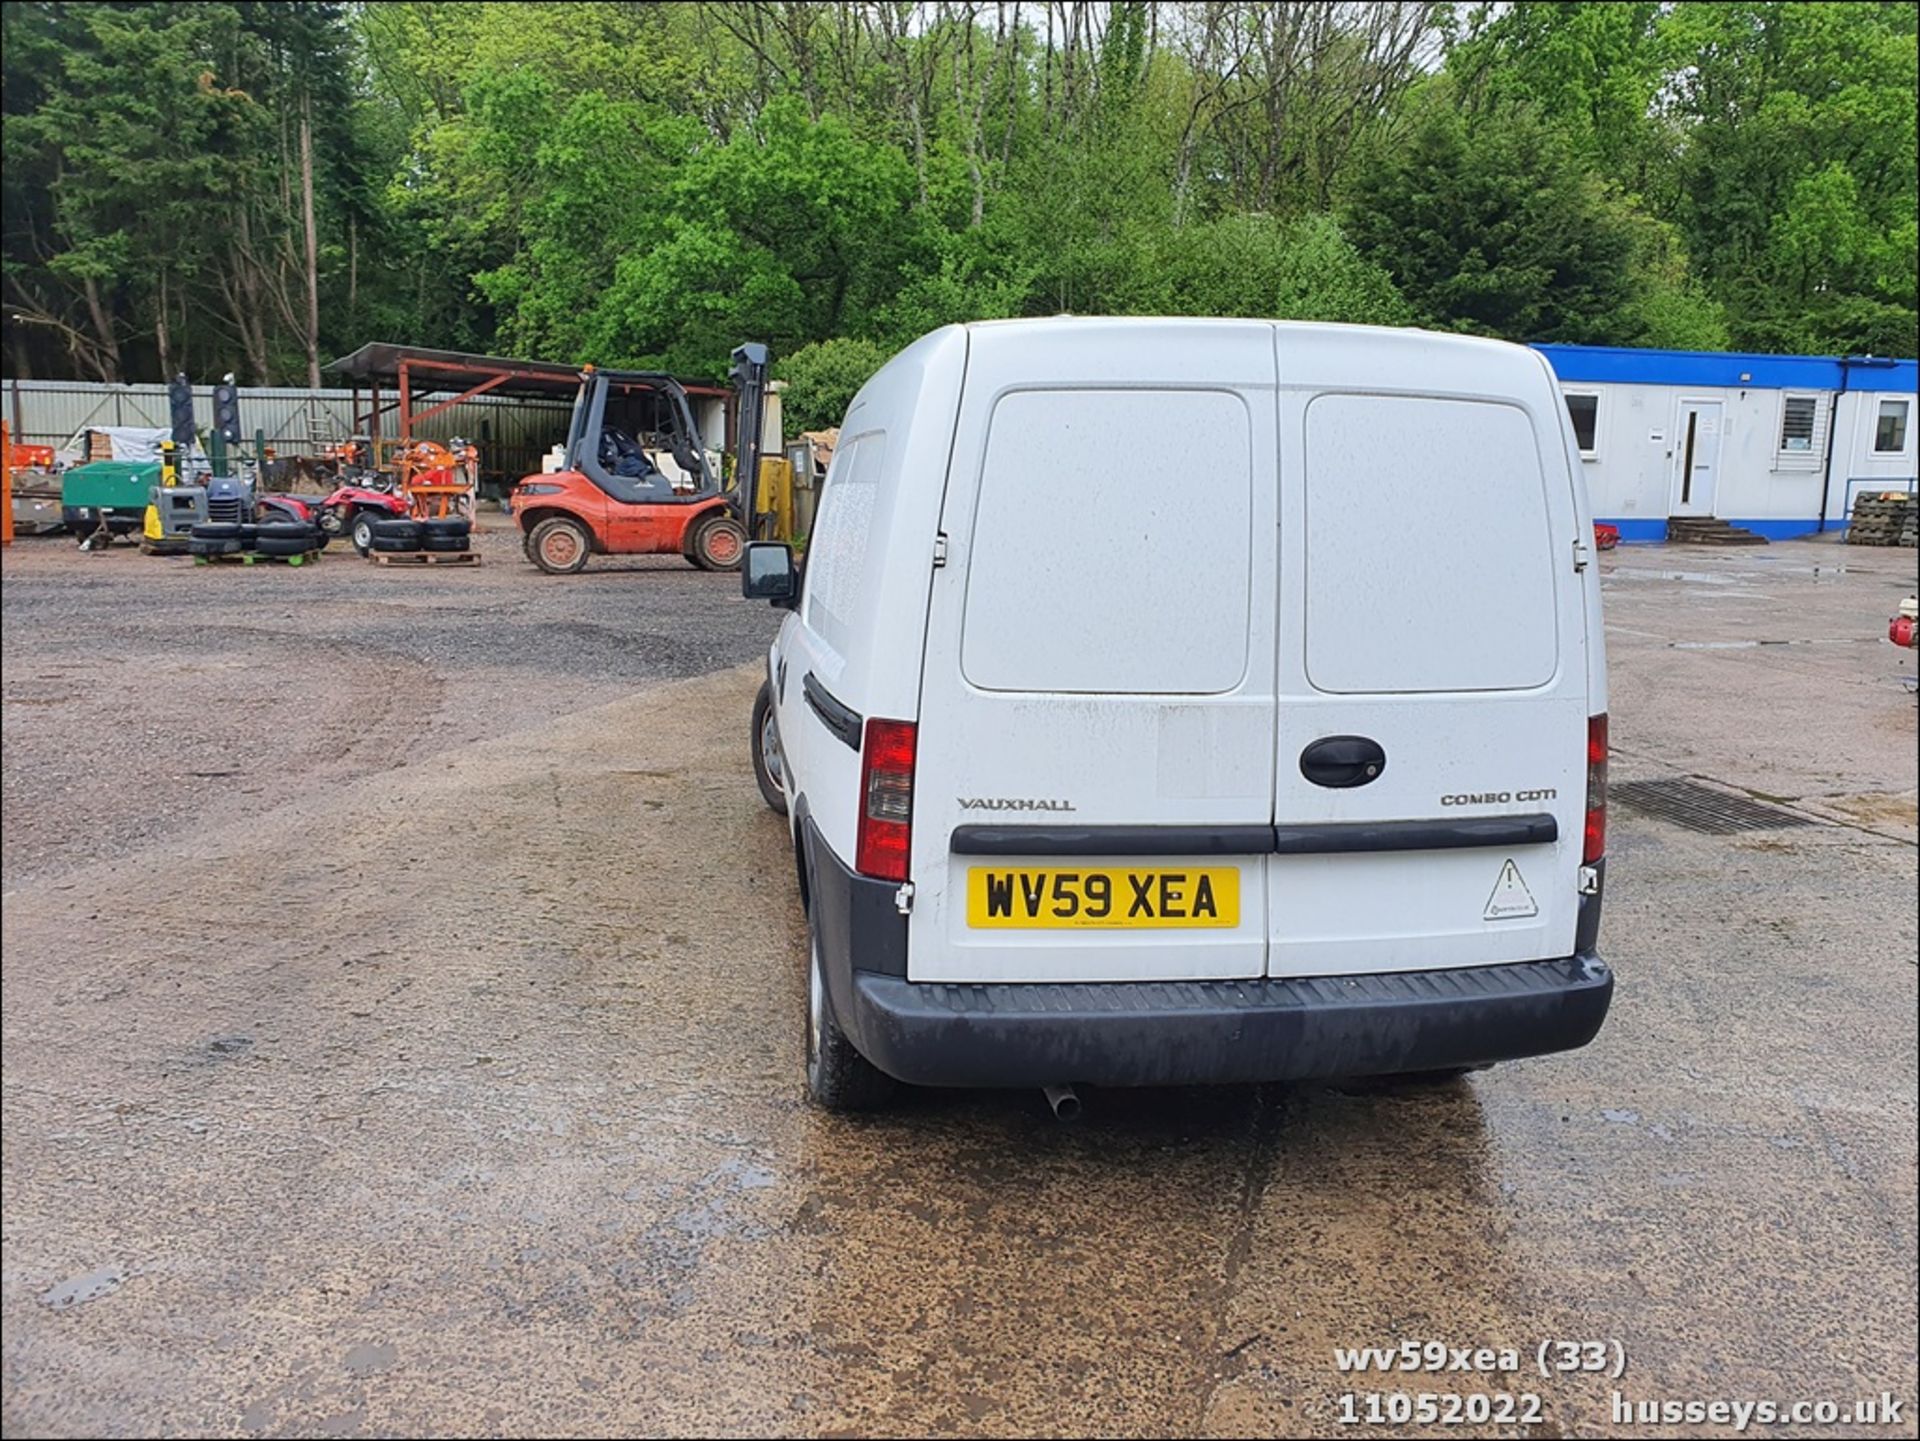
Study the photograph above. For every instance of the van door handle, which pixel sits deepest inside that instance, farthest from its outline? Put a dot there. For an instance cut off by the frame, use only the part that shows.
(1341, 761)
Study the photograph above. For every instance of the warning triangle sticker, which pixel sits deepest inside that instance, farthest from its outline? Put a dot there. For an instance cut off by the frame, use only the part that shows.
(1510, 899)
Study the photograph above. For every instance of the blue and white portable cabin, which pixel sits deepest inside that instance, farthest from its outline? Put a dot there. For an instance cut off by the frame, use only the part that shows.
(1778, 444)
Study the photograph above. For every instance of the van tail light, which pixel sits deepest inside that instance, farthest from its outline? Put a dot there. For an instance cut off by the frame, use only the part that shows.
(886, 800)
(1596, 845)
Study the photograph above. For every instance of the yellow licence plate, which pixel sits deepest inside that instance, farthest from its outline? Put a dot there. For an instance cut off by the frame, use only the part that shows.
(1105, 897)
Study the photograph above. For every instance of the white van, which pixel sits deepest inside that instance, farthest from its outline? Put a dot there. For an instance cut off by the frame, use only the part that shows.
(1175, 701)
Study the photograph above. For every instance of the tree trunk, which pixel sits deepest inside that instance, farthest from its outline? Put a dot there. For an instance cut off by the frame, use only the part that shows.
(246, 301)
(313, 243)
(109, 363)
(160, 338)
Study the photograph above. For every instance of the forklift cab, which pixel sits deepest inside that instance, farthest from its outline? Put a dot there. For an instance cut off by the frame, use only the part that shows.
(633, 435)
(637, 479)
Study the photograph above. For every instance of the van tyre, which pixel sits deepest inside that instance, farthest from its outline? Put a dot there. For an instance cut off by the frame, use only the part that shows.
(446, 527)
(839, 1078)
(717, 543)
(769, 767)
(560, 546)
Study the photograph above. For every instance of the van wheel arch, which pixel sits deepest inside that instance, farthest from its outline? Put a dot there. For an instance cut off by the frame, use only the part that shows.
(802, 873)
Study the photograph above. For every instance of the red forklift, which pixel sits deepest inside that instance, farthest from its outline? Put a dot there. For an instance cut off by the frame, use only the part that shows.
(636, 478)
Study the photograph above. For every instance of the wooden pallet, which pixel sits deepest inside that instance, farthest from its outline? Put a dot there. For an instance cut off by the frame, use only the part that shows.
(424, 557)
(254, 557)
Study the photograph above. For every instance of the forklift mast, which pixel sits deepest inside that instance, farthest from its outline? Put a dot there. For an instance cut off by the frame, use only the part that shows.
(749, 377)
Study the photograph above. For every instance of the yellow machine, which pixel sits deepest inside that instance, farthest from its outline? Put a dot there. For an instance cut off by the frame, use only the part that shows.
(773, 498)
(173, 508)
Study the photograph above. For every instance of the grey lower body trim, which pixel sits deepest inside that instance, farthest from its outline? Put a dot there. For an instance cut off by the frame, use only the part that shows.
(1151, 1033)
(1179, 1033)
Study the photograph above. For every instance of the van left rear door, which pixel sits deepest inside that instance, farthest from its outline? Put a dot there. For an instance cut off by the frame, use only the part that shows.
(1093, 795)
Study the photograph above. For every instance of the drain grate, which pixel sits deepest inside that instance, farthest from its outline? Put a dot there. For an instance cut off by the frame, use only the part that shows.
(1701, 808)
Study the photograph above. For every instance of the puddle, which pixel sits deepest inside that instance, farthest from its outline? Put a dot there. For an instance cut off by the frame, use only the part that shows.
(368, 1358)
(1698, 577)
(78, 1290)
(1752, 644)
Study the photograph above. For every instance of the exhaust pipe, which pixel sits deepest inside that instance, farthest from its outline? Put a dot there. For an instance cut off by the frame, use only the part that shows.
(1064, 1100)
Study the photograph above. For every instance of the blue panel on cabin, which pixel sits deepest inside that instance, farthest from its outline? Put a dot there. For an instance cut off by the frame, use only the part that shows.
(1625, 365)
(1641, 531)
(1635, 530)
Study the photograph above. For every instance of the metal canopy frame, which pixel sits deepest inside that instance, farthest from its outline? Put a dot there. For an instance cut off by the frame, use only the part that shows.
(465, 376)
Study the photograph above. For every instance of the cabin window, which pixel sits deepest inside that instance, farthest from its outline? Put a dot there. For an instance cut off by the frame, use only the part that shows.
(1890, 433)
(1585, 411)
(1797, 415)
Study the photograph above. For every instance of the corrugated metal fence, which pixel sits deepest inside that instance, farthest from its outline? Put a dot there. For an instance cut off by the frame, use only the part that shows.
(512, 433)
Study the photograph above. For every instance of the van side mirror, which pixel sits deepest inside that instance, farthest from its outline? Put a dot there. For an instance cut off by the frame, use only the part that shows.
(767, 573)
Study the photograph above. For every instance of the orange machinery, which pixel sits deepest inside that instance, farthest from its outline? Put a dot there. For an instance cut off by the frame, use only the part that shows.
(437, 480)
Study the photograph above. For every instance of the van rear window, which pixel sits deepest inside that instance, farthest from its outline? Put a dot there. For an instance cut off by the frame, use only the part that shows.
(1430, 557)
(1111, 544)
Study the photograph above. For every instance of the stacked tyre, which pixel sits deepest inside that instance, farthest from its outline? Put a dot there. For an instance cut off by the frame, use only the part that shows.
(215, 538)
(395, 537)
(286, 538)
(453, 533)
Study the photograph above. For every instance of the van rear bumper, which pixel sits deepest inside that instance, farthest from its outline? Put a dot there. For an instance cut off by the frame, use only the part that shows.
(1190, 1032)
(1160, 1033)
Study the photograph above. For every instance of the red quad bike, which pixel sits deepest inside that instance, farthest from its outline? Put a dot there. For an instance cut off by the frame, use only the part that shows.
(348, 510)
(636, 480)
(360, 497)
(355, 505)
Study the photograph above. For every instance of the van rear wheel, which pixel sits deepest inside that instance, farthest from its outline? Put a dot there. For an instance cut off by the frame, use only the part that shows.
(839, 1078)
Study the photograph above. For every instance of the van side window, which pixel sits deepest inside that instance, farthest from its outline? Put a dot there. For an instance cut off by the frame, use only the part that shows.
(1430, 556)
(838, 565)
(1111, 549)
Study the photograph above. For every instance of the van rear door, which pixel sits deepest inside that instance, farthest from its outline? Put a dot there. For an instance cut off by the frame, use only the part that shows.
(1094, 783)
(1431, 630)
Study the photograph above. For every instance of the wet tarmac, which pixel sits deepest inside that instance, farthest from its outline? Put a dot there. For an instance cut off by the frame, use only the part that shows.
(466, 1098)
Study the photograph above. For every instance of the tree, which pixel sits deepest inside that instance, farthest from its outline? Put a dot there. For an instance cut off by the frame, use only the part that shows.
(1304, 269)
(822, 380)
(1489, 224)
(252, 185)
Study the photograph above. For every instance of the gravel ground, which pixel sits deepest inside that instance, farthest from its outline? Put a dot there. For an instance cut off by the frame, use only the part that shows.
(145, 696)
(458, 1091)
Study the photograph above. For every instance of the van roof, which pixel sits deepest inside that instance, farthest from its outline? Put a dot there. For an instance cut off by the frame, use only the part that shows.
(1331, 329)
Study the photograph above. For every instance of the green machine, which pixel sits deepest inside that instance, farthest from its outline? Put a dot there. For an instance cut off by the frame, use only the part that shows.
(105, 498)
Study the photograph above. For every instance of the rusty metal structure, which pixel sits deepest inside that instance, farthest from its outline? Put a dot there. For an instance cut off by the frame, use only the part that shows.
(392, 383)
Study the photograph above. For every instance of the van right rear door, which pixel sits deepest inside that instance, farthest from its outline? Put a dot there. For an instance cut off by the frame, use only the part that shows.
(1093, 787)
(1430, 758)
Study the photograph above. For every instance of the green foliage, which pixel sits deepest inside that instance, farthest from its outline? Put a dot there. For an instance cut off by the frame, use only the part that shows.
(1777, 139)
(597, 180)
(1325, 277)
(1488, 225)
(822, 380)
